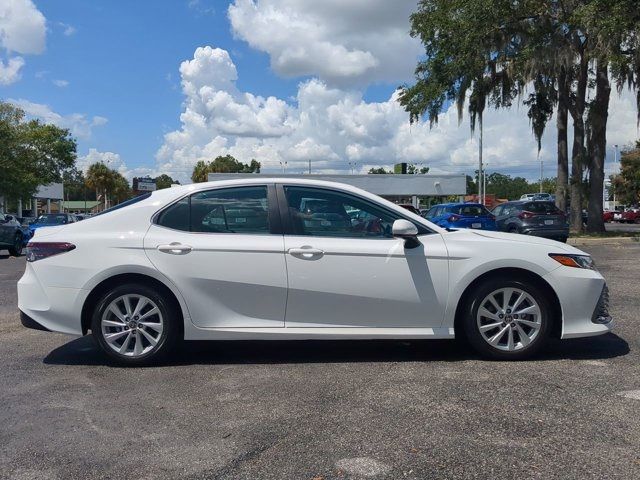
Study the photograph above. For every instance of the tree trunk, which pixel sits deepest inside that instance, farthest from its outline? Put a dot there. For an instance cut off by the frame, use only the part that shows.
(578, 150)
(562, 182)
(598, 114)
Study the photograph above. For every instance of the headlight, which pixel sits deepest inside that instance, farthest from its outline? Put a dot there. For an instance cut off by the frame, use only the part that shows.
(575, 261)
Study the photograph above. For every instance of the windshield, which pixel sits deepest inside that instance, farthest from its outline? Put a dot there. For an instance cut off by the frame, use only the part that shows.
(52, 219)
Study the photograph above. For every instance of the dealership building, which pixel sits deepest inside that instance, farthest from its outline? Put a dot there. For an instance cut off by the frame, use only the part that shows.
(398, 188)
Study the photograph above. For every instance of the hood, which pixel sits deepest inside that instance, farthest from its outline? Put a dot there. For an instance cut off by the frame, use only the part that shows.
(514, 237)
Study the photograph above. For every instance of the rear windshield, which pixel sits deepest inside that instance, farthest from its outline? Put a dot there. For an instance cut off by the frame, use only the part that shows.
(131, 201)
(541, 207)
(469, 210)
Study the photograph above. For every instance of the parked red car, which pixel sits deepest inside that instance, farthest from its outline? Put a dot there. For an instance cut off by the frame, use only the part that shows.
(607, 216)
(631, 216)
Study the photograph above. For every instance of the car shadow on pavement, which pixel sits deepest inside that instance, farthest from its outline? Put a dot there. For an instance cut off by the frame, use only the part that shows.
(83, 351)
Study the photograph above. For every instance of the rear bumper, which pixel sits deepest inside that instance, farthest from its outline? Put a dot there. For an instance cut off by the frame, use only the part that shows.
(29, 322)
(552, 233)
(55, 309)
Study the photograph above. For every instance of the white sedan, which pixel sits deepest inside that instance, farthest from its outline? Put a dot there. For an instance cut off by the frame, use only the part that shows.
(292, 259)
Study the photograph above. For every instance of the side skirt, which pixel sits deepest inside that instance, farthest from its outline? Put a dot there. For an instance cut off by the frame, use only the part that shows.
(293, 333)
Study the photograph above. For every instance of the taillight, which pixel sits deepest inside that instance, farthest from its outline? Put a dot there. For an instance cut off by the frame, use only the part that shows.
(40, 250)
(524, 214)
(454, 218)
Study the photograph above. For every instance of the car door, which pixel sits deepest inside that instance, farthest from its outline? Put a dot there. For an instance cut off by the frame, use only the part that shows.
(350, 272)
(223, 249)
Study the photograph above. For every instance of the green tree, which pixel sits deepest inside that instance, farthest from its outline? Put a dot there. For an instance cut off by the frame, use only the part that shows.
(120, 188)
(31, 153)
(627, 183)
(164, 181)
(222, 164)
(379, 171)
(100, 178)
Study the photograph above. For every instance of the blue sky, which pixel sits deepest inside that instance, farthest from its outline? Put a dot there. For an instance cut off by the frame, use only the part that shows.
(282, 81)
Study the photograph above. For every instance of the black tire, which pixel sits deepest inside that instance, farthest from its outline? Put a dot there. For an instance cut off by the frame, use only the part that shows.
(475, 338)
(563, 239)
(513, 229)
(169, 337)
(16, 250)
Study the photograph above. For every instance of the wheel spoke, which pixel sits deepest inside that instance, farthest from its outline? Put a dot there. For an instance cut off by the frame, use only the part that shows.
(137, 348)
(111, 337)
(528, 323)
(127, 304)
(156, 326)
(510, 339)
(142, 302)
(486, 313)
(518, 301)
(148, 314)
(530, 310)
(498, 336)
(524, 338)
(111, 323)
(495, 304)
(149, 337)
(125, 344)
(490, 326)
(506, 296)
(115, 309)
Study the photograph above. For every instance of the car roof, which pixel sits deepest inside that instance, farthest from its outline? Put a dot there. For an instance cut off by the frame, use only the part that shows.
(456, 204)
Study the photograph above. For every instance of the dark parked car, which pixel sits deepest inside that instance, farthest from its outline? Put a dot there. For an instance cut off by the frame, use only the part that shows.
(13, 236)
(542, 219)
(461, 215)
(411, 208)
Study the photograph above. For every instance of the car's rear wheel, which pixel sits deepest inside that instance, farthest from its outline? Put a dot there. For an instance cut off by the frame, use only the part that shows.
(135, 325)
(16, 250)
(513, 229)
(507, 319)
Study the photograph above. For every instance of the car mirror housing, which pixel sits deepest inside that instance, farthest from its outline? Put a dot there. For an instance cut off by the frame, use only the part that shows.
(406, 230)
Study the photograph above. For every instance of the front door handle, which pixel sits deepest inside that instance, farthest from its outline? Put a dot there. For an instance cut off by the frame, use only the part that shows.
(175, 248)
(306, 252)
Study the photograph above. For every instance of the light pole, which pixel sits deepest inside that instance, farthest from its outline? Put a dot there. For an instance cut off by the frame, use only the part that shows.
(284, 166)
(615, 162)
(480, 190)
(353, 167)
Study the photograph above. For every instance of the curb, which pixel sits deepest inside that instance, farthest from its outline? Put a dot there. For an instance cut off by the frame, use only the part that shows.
(602, 241)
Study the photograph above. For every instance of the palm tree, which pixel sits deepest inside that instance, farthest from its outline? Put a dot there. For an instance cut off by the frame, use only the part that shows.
(100, 178)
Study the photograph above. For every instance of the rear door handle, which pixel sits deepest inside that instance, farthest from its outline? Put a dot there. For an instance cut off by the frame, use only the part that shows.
(175, 248)
(306, 252)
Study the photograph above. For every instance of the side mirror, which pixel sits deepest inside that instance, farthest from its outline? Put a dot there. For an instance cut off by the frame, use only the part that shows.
(406, 230)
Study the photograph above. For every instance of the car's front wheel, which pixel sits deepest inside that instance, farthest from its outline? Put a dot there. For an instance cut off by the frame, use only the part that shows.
(135, 325)
(507, 319)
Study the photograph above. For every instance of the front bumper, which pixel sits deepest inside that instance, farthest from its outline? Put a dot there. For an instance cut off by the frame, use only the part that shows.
(584, 301)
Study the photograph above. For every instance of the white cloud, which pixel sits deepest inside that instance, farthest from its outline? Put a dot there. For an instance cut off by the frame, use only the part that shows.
(67, 30)
(113, 161)
(10, 72)
(344, 43)
(333, 126)
(79, 124)
(22, 27)
(60, 83)
(22, 31)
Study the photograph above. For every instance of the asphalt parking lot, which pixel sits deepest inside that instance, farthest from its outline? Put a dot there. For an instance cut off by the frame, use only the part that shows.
(324, 410)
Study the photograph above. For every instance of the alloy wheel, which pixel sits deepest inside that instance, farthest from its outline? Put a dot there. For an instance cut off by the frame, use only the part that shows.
(509, 319)
(132, 325)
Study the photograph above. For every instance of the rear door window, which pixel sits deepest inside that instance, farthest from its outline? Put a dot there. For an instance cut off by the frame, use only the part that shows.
(542, 208)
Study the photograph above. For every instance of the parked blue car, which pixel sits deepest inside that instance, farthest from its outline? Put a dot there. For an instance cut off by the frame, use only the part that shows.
(52, 220)
(461, 215)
